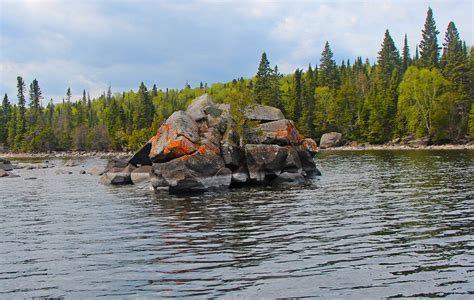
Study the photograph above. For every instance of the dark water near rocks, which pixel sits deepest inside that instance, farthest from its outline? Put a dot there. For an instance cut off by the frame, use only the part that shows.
(376, 224)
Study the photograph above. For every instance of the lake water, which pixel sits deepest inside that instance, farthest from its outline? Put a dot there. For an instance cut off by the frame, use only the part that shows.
(375, 224)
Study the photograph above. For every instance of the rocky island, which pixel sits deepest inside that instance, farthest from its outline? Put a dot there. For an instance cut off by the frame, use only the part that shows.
(200, 149)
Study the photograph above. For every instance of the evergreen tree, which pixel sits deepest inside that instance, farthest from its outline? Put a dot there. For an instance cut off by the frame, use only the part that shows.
(275, 96)
(328, 73)
(388, 58)
(68, 94)
(20, 118)
(429, 49)
(35, 103)
(154, 91)
(406, 59)
(297, 98)
(263, 81)
(4, 119)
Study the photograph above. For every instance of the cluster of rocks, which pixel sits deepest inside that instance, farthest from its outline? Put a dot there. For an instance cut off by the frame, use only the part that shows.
(200, 149)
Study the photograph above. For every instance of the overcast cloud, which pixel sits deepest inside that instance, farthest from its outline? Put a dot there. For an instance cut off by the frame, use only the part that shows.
(89, 44)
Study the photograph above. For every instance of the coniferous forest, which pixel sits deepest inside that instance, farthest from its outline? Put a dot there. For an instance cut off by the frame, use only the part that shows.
(422, 92)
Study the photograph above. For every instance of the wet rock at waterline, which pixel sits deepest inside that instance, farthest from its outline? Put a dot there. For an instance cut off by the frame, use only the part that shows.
(5, 165)
(199, 150)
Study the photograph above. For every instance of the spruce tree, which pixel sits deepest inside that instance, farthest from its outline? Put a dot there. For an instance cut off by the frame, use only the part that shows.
(429, 49)
(388, 58)
(406, 59)
(263, 84)
(297, 89)
(20, 118)
(4, 119)
(328, 73)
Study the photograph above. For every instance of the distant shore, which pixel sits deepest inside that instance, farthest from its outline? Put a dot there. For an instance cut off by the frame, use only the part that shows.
(67, 154)
(369, 147)
(107, 155)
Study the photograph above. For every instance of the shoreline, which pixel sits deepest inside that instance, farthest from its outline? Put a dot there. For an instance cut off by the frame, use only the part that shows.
(401, 147)
(107, 155)
(67, 155)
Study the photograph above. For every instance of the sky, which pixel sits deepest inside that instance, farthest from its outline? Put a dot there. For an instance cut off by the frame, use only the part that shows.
(91, 44)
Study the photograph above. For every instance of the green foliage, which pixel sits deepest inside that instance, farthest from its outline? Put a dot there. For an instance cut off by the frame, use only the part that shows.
(422, 103)
(240, 99)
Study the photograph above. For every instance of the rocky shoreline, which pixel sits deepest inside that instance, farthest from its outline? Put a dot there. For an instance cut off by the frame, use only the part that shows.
(369, 147)
(124, 155)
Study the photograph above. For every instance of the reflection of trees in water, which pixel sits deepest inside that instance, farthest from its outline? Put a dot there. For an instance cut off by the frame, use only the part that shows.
(414, 205)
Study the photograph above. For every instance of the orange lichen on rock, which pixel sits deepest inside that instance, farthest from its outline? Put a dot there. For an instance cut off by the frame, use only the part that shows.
(179, 147)
(310, 145)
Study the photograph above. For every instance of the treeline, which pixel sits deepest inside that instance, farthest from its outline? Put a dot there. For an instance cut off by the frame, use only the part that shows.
(429, 94)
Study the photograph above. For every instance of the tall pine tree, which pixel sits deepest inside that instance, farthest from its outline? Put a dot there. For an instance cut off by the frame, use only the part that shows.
(429, 49)
(328, 73)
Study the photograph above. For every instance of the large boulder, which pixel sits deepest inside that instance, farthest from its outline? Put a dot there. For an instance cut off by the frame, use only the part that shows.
(175, 138)
(331, 139)
(199, 150)
(281, 132)
(202, 106)
(264, 113)
(118, 176)
(265, 162)
(3, 173)
(201, 171)
(5, 165)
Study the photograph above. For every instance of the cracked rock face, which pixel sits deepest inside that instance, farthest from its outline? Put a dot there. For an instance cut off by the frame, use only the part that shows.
(198, 150)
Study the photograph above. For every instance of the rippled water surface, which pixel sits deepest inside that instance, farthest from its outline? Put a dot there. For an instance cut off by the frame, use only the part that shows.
(376, 224)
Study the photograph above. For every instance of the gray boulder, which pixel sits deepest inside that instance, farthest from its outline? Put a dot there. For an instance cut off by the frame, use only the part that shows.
(264, 113)
(201, 171)
(118, 176)
(281, 132)
(202, 106)
(232, 155)
(140, 174)
(4, 173)
(5, 165)
(265, 162)
(331, 139)
(175, 138)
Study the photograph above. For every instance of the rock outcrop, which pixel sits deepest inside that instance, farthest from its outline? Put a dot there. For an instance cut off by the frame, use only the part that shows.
(198, 150)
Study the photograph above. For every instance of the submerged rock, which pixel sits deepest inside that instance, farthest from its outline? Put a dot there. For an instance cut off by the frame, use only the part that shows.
(118, 176)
